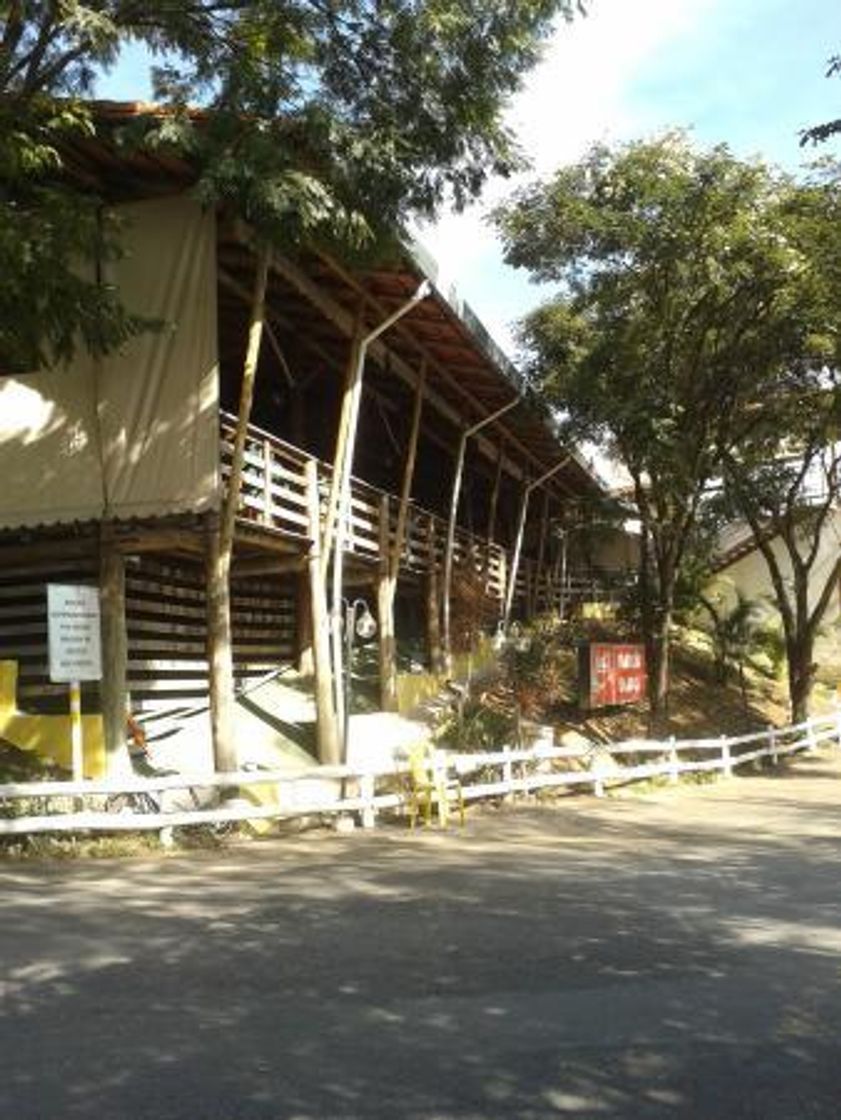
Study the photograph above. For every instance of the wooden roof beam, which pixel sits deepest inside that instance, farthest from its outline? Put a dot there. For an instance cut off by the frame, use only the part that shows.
(403, 330)
(343, 320)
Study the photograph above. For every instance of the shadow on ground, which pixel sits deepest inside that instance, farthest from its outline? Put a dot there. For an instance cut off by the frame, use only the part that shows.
(676, 955)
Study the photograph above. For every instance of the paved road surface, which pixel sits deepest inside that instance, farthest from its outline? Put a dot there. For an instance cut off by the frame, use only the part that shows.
(675, 955)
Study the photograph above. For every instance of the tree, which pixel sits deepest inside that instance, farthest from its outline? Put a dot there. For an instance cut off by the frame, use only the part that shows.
(682, 301)
(787, 490)
(325, 120)
(327, 117)
(820, 133)
(733, 631)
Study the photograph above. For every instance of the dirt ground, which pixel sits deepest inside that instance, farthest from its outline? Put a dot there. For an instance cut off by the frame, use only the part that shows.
(699, 705)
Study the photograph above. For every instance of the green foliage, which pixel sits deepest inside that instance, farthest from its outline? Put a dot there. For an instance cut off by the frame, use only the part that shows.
(694, 289)
(733, 631)
(820, 133)
(769, 642)
(541, 672)
(47, 303)
(327, 122)
(479, 727)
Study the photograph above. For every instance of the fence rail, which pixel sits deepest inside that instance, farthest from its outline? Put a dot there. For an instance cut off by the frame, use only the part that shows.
(79, 806)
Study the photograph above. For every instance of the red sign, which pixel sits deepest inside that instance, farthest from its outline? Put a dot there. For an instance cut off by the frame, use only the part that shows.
(616, 674)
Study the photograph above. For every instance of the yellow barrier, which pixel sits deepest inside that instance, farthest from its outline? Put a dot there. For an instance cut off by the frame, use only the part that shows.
(47, 736)
(414, 688)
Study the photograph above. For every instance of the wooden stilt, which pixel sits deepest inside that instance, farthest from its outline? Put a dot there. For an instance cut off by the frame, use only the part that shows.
(349, 399)
(220, 650)
(113, 687)
(541, 553)
(391, 552)
(433, 606)
(511, 585)
(246, 398)
(327, 730)
(303, 629)
(221, 545)
(495, 494)
(386, 587)
(518, 540)
(408, 473)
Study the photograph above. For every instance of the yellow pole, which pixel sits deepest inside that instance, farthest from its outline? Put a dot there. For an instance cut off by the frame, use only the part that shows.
(77, 752)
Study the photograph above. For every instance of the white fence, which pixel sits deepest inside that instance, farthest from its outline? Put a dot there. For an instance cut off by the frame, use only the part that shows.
(72, 807)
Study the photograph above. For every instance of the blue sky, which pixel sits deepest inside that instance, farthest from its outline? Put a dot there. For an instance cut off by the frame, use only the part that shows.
(746, 72)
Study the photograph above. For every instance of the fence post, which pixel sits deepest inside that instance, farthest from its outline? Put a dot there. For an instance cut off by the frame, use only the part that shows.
(439, 782)
(810, 734)
(772, 743)
(674, 771)
(366, 793)
(598, 782)
(726, 758)
(508, 774)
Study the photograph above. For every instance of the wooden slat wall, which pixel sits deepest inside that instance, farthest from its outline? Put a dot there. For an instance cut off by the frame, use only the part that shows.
(23, 630)
(165, 608)
(168, 632)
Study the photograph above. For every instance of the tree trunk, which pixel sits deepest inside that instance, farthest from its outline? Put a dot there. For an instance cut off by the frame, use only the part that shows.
(659, 680)
(801, 675)
(220, 653)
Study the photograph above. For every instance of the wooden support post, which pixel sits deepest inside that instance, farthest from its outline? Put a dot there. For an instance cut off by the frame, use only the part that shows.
(303, 625)
(391, 552)
(449, 553)
(220, 650)
(511, 586)
(433, 606)
(528, 581)
(113, 687)
(495, 494)
(246, 398)
(518, 542)
(408, 474)
(220, 545)
(328, 744)
(386, 586)
(350, 403)
(541, 553)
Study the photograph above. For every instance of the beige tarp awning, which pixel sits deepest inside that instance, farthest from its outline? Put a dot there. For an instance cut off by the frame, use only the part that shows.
(136, 434)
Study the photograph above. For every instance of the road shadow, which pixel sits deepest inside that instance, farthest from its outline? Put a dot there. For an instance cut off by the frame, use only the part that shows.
(659, 958)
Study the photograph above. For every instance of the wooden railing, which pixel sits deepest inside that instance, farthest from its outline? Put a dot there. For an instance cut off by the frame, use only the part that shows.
(274, 498)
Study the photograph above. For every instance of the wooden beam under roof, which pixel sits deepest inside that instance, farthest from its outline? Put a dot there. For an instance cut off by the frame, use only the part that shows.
(403, 329)
(343, 319)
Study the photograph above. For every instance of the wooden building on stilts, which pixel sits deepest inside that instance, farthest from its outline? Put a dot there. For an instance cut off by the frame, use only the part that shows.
(114, 471)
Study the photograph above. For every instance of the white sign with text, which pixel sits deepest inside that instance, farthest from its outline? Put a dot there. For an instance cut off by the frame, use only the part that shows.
(74, 635)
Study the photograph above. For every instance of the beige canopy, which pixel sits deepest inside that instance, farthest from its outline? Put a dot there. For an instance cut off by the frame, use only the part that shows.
(135, 434)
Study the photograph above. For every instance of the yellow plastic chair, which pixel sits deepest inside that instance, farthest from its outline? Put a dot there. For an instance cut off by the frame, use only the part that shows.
(431, 789)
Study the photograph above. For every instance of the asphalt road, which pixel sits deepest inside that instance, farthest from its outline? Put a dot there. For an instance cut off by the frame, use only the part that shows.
(674, 955)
